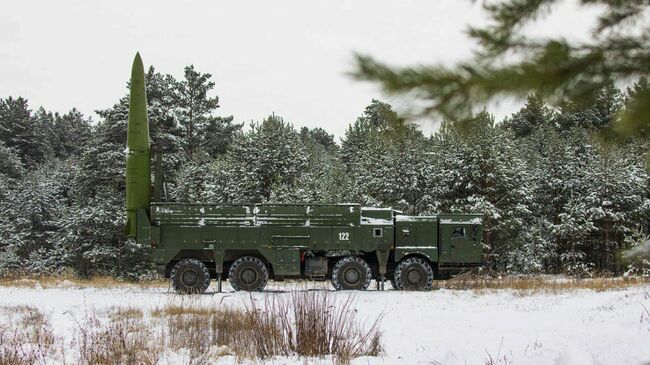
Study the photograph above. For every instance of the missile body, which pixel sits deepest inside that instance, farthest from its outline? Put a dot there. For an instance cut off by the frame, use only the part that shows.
(138, 173)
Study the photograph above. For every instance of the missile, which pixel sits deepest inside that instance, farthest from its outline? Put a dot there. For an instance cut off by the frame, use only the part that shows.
(138, 169)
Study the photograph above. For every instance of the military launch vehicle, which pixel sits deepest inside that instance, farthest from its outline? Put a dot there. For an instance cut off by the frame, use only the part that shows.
(248, 244)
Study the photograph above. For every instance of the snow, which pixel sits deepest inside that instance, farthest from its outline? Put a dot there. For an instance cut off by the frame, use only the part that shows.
(476, 220)
(443, 326)
(376, 221)
(413, 218)
(416, 247)
(164, 210)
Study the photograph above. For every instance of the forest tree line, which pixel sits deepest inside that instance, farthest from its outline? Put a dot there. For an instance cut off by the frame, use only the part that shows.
(558, 196)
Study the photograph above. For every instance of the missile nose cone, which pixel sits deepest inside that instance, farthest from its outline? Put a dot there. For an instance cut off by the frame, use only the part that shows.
(137, 64)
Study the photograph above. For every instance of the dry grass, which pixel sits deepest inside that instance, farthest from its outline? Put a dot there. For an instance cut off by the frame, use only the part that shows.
(25, 336)
(124, 313)
(312, 323)
(323, 326)
(306, 324)
(176, 310)
(124, 340)
(540, 284)
(58, 281)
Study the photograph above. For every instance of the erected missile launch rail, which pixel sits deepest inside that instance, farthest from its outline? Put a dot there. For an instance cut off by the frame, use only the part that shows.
(249, 244)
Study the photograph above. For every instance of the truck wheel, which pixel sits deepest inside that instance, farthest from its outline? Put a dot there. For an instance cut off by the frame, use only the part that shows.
(248, 273)
(413, 274)
(190, 276)
(351, 273)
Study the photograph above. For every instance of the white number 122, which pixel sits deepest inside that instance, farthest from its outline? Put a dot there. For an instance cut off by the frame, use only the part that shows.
(344, 236)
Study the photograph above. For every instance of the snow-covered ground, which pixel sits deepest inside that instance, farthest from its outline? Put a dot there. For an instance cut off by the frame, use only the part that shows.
(438, 327)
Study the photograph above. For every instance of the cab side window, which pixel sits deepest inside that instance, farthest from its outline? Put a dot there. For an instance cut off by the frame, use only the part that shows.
(458, 232)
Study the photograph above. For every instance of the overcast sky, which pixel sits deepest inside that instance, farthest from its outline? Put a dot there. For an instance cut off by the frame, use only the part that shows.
(287, 57)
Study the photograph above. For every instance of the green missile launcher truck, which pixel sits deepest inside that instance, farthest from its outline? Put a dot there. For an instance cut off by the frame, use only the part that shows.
(248, 244)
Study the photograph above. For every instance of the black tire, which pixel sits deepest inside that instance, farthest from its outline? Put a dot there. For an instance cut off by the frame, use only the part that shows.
(351, 273)
(248, 273)
(190, 276)
(413, 273)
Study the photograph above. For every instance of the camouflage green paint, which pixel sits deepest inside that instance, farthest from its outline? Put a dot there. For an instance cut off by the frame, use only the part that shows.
(138, 173)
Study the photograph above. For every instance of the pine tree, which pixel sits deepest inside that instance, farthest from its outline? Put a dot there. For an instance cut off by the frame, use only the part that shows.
(20, 131)
(476, 169)
(11, 170)
(319, 136)
(218, 135)
(556, 161)
(73, 132)
(377, 118)
(357, 137)
(195, 108)
(598, 113)
(391, 169)
(32, 208)
(534, 114)
(91, 235)
(270, 153)
(617, 206)
(10, 165)
(323, 180)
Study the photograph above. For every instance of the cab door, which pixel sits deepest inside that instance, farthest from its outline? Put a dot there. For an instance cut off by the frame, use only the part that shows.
(460, 242)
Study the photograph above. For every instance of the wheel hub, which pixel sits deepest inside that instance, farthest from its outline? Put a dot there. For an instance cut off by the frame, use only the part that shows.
(189, 278)
(352, 276)
(414, 277)
(248, 276)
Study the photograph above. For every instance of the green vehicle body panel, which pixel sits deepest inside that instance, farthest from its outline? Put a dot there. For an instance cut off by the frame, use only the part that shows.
(283, 235)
